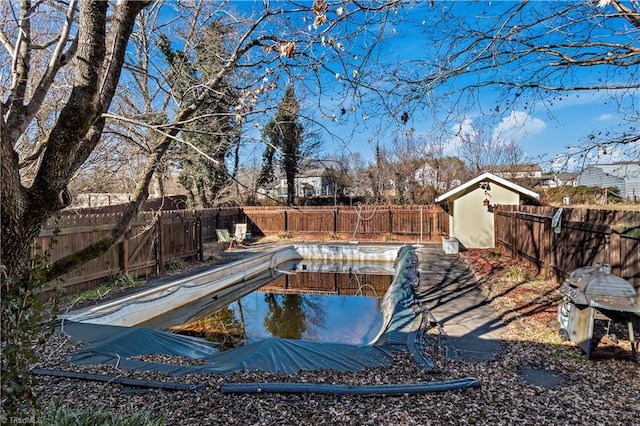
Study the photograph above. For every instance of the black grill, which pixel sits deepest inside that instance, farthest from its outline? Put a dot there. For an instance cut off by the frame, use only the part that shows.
(592, 293)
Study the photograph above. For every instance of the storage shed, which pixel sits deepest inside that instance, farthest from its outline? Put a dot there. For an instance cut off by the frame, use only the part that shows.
(470, 207)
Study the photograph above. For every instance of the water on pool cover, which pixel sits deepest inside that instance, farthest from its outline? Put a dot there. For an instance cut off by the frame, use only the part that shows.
(330, 307)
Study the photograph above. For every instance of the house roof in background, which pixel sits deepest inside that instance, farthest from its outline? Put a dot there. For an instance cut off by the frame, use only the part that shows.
(491, 177)
(529, 167)
(621, 170)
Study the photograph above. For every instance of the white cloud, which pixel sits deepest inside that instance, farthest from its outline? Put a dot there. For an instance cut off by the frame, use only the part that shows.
(518, 125)
(460, 131)
(606, 117)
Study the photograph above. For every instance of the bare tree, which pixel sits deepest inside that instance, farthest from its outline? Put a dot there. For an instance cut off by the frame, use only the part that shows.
(93, 42)
(407, 152)
(89, 39)
(480, 149)
(525, 55)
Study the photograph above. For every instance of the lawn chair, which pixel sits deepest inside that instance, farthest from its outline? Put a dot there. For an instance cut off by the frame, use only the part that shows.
(241, 232)
(238, 237)
(224, 237)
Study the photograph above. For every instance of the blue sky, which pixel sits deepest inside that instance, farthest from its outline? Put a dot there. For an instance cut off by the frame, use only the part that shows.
(542, 130)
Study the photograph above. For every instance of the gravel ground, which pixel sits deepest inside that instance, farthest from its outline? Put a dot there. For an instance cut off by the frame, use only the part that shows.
(572, 391)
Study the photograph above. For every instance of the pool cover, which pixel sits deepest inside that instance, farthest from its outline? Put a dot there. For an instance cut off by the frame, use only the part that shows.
(116, 345)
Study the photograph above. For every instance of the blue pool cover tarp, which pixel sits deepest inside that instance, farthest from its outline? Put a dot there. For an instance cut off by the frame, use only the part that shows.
(115, 345)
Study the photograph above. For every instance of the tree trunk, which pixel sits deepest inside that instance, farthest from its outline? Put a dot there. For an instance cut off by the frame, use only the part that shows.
(72, 137)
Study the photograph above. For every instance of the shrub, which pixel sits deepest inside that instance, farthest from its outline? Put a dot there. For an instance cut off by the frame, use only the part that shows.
(24, 332)
(63, 415)
(173, 265)
(493, 254)
(517, 274)
(115, 281)
(122, 280)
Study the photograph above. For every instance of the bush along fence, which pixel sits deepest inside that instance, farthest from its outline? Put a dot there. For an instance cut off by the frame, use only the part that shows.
(157, 238)
(558, 241)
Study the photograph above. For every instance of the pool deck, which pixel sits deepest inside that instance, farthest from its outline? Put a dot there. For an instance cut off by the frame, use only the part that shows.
(451, 292)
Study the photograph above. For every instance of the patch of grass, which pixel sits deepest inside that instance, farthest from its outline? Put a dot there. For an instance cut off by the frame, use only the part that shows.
(114, 282)
(63, 415)
(559, 353)
(332, 237)
(517, 274)
(493, 254)
(389, 237)
(122, 279)
(284, 236)
(173, 265)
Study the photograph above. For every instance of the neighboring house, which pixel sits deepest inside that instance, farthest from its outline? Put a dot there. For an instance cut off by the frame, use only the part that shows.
(470, 207)
(314, 182)
(102, 199)
(428, 175)
(624, 176)
(559, 179)
(515, 171)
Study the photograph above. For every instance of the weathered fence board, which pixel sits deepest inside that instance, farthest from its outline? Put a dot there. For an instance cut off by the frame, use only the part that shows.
(584, 237)
(363, 223)
(265, 222)
(310, 221)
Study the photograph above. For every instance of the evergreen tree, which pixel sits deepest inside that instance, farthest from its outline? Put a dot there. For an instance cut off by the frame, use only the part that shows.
(283, 136)
(204, 175)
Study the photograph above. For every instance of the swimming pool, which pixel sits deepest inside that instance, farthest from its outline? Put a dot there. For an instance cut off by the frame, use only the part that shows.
(399, 317)
(227, 282)
(314, 302)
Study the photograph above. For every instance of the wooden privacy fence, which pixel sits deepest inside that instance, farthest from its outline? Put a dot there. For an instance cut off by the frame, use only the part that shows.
(401, 223)
(156, 237)
(583, 238)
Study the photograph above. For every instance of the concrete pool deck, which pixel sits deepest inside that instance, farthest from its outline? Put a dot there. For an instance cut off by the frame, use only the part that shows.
(450, 291)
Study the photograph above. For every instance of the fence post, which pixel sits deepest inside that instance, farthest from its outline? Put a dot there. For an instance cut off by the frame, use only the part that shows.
(199, 240)
(495, 222)
(615, 259)
(335, 220)
(286, 221)
(547, 250)
(514, 230)
(160, 244)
